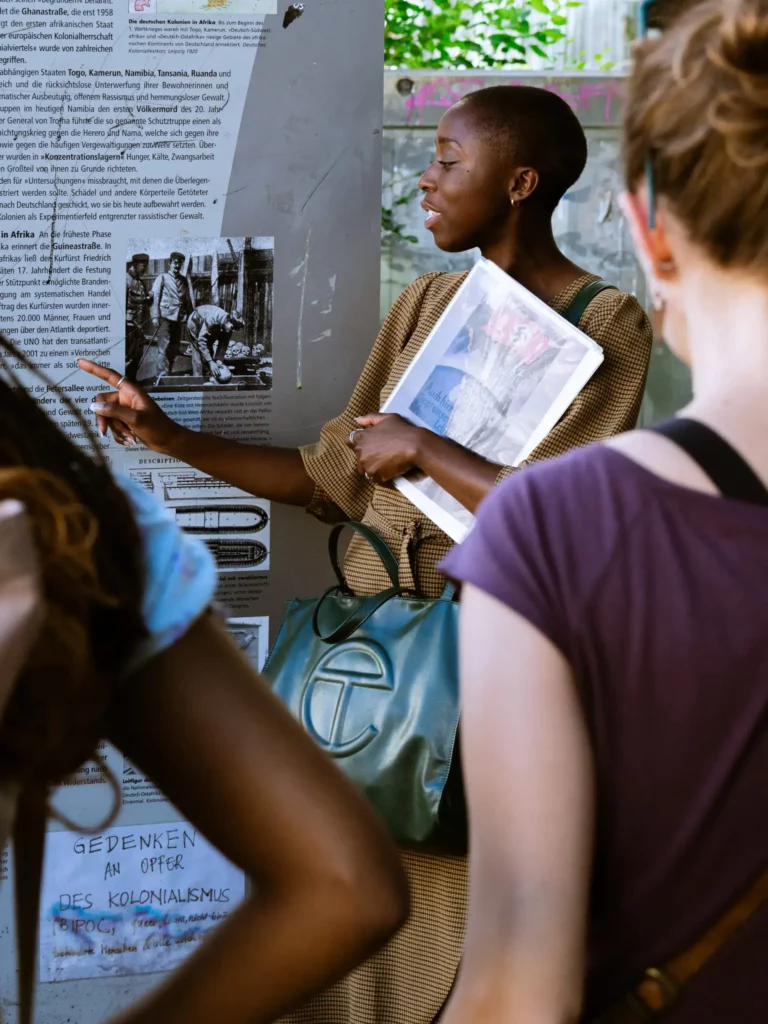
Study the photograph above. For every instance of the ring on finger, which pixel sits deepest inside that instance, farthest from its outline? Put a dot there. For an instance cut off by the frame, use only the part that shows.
(117, 386)
(353, 435)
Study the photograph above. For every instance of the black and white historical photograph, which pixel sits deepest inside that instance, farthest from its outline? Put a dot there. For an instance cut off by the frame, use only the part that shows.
(198, 313)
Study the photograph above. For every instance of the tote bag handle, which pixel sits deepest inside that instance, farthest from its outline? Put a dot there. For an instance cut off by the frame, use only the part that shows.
(378, 544)
(371, 604)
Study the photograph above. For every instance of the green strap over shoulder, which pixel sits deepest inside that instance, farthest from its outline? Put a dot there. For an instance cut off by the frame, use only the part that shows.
(582, 299)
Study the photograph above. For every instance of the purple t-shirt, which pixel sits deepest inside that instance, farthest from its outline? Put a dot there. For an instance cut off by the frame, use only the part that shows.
(658, 597)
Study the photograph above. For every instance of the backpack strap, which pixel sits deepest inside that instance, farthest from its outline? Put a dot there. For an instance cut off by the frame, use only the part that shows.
(727, 470)
(582, 299)
(28, 849)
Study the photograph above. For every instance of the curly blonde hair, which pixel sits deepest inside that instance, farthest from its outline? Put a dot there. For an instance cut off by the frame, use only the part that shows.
(89, 552)
(697, 108)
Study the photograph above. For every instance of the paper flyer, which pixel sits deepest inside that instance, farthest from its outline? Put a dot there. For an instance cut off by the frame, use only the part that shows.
(133, 900)
(117, 138)
(495, 375)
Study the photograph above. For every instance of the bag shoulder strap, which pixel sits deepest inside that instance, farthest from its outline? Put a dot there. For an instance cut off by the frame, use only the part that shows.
(582, 299)
(660, 987)
(28, 850)
(727, 470)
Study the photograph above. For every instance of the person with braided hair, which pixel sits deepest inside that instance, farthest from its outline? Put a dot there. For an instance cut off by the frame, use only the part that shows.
(112, 638)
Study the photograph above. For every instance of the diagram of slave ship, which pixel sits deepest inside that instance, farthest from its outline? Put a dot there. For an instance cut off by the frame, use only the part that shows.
(236, 553)
(186, 485)
(221, 518)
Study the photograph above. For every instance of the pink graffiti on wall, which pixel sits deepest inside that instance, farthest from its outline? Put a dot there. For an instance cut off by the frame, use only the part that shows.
(444, 92)
(441, 92)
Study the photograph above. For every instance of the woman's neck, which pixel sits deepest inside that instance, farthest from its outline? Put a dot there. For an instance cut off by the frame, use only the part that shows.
(727, 323)
(530, 255)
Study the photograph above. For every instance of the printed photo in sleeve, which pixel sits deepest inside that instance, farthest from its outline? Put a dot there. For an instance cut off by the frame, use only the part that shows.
(199, 314)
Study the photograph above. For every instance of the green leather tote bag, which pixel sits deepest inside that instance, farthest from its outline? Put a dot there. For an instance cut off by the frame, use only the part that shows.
(375, 682)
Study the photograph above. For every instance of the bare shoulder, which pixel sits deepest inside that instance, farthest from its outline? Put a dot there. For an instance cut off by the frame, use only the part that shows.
(663, 458)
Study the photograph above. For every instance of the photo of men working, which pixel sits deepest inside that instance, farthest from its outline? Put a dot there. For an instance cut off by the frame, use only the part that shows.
(200, 317)
(210, 330)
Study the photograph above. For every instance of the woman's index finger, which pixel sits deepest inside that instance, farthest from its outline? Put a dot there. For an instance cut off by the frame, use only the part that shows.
(102, 372)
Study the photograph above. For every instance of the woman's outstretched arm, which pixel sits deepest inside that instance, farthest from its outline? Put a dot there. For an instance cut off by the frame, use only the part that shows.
(328, 886)
(277, 474)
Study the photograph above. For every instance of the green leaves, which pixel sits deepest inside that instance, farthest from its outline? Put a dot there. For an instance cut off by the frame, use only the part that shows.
(462, 34)
(389, 223)
(465, 34)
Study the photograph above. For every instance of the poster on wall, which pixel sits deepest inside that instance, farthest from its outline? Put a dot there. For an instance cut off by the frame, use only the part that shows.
(118, 141)
(229, 150)
(134, 900)
(118, 146)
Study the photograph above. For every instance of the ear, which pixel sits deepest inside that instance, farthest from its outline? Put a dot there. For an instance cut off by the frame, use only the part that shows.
(523, 184)
(651, 244)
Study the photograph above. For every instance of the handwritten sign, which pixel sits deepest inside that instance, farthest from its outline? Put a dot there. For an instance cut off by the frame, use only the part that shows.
(134, 900)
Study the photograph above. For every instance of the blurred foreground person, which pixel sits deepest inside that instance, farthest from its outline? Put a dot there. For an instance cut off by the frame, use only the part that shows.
(125, 649)
(615, 651)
